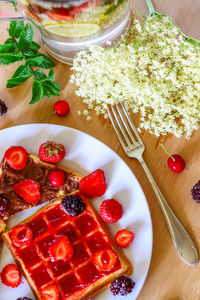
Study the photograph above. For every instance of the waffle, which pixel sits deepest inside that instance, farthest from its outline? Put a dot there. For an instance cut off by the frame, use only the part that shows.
(77, 278)
(38, 171)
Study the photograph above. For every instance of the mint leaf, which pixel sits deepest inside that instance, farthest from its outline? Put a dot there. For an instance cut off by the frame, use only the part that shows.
(10, 41)
(39, 75)
(47, 92)
(16, 28)
(54, 91)
(37, 92)
(25, 36)
(20, 76)
(7, 48)
(35, 61)
(47, 63)
(34, 46)
(51, 75)
(55, 86)
(8, 58)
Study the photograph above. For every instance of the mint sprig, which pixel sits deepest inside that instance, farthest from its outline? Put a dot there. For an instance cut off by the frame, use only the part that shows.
(21, 47)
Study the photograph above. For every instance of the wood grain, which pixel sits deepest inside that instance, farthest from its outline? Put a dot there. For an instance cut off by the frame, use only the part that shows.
(168, 278)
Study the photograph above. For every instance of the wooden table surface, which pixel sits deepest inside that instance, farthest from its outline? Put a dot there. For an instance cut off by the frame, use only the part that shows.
(168, 278)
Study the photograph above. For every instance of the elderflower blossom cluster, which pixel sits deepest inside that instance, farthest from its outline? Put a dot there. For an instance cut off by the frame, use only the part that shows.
(154, 71)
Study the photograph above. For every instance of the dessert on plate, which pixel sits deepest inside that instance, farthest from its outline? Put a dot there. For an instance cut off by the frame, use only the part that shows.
(65, 249)
(27, 181)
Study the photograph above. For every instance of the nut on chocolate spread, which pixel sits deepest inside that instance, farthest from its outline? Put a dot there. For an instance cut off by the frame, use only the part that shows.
(34, 171)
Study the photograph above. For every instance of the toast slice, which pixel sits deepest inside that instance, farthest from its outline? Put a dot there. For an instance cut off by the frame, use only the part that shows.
(78, 278)
(36, 170)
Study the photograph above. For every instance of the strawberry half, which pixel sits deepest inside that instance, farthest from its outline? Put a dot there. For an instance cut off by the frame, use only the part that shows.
(51, 152)
(16, 157)
(110, 211)
(21, 235)
(124, 238)
(51, 292)
(29, 190)
(10, 276)
(94, 184)
(61, 249)
(105, 260)
(58, 17)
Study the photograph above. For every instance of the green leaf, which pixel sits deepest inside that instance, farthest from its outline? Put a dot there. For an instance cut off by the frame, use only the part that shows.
(41, 60)
(25, 37)
(20, 76)
(37, 92)
(10, 41)
(34, 46)
(54, 91)
(47, 92)
(7, 48)
(51, 74)
(12, 28)
(8, 58)
(16, 27)
(29, 53)
(39, 75)
(35, 61)
(55, 86)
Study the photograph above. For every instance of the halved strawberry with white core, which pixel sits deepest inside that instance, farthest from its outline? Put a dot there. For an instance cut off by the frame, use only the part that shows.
(105, 260)
(124, 238)
(51, 292)
(61, 249)
(21, 235)
(16, 157)
(10, 276)
(29, 190)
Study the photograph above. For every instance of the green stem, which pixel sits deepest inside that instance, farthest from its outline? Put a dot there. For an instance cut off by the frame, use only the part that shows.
(150, 7)
(48, 115)
(167, 151)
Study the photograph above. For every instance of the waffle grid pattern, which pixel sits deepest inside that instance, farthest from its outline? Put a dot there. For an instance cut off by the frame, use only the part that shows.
(86, 236)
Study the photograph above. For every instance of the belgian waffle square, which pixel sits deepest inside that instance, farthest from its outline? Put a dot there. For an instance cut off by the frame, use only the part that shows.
(77, 278)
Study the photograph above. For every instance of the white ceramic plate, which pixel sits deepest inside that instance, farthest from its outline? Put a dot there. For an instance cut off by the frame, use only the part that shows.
(85, 154)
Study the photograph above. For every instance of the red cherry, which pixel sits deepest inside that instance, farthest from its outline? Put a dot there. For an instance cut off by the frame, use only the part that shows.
(57, 178)
(61, 108)
(177, 165)
(175, 162)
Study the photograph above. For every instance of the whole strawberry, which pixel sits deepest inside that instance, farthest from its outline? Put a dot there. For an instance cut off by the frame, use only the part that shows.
(51, 152)
(110, 211)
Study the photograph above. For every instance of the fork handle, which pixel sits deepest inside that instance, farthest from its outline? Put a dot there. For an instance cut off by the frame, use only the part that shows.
(180, 237)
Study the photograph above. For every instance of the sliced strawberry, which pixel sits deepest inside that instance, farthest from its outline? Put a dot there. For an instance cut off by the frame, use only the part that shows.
(29, 190)
(110, 211)
(10, 276)
(79, 9)
(21, 235)
(16, 157)
(51, 152)
(124, 238)
(94, 184)
(61, 249)
(105, 260)
(58, 17)
(50, 292)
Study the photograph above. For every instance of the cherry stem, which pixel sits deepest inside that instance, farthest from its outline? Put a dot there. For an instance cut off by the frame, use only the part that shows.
(167, 151)
(46, 116)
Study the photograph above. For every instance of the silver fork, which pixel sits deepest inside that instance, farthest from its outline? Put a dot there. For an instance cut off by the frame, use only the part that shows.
(134, 148)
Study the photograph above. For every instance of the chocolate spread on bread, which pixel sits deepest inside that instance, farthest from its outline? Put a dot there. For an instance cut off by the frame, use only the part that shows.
(35, 171)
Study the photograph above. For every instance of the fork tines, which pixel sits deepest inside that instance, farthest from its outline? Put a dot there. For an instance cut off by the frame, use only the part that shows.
(123, 126)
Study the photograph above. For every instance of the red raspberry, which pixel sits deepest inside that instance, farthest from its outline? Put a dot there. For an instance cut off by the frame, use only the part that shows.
(110, 211)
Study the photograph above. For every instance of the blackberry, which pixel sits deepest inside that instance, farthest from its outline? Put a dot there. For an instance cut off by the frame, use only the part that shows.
(195, 192)
(122, 285)
(3, 108)
(73, 205)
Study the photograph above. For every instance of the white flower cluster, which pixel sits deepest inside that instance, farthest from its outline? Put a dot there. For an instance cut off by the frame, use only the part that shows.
(154, 71)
